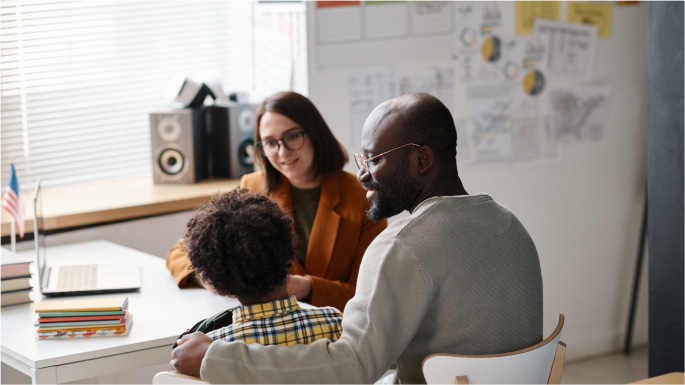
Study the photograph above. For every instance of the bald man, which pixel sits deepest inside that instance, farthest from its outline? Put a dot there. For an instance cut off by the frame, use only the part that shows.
(459, 275)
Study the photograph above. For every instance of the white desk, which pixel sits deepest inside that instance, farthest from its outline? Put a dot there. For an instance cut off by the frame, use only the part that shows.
(161, 311)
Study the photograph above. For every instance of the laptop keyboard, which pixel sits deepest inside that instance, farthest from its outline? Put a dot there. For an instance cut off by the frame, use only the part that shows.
(78, 277)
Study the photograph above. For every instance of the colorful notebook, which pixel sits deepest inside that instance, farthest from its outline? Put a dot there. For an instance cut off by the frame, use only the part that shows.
(80, 323)
(85, 333)
(81, 318)
(81, 313)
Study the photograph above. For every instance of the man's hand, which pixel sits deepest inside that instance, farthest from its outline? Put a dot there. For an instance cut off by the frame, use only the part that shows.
(299, 286)
(187, 357)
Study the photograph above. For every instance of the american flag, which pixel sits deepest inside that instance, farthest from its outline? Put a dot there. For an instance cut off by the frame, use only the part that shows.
(12, 201)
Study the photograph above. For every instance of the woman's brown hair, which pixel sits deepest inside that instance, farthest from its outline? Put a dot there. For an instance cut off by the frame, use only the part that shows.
(329, 154)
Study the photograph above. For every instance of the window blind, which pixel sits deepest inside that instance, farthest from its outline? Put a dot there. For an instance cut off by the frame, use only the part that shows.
(78, 79)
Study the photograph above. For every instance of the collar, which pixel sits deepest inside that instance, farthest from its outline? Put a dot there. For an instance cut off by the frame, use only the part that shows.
(464, 199)
(265, 310)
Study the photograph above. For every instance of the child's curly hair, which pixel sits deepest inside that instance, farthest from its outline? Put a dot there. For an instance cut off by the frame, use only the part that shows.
(241, 243)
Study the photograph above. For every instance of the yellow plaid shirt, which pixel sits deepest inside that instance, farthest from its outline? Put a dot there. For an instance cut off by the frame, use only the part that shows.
(281, 322)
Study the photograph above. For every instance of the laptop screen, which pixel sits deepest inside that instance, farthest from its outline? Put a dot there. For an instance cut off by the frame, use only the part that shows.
(80, 279)
(39, 234)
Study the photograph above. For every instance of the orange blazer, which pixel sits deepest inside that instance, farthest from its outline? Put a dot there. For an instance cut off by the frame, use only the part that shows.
(340, 235)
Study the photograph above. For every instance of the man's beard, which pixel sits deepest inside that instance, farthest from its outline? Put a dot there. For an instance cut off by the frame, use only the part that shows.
(393, 197)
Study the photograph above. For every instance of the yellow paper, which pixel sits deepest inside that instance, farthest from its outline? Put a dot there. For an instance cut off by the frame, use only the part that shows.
(528, 11)
(598, 14)
(82, 304)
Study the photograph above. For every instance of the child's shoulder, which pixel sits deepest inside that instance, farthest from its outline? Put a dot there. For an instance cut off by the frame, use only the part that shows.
(329, 310)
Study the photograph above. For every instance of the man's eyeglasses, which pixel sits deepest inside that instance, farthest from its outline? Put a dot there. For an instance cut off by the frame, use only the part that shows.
(364, 163)
(293, 141)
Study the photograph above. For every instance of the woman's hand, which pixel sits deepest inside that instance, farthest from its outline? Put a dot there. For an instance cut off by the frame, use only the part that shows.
(299, 286)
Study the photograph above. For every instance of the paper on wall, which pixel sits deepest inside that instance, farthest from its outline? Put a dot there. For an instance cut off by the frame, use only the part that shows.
(429, 17)
(570, 48)
(477, 42)
(368, 89)
(338, 21)
(528, 11)
(578, 113)
(386, 19)
(489, 113)
(597, 13)
(505, 125)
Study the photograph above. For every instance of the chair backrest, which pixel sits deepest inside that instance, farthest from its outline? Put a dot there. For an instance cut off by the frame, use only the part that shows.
(531, 365)
(175, 378)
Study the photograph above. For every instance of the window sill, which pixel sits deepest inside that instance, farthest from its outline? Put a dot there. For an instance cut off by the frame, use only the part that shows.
(101, 202)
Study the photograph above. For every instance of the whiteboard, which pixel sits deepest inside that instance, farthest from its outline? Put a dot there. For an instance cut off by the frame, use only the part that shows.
(583, 207)
(353, 34)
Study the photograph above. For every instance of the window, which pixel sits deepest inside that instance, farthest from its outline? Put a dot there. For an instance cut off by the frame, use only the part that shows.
(78, 79)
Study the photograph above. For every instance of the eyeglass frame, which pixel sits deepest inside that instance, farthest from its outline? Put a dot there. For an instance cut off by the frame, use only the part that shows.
(365, 162)
(260, 146)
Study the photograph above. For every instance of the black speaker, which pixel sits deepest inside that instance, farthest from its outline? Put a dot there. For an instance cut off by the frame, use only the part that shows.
(179, 144)
(231, 139)
(192, 94)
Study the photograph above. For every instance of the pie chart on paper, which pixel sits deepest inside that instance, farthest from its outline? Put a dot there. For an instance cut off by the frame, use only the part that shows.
(468, 37)
(533, 82)
(492, 49)
(510, 70)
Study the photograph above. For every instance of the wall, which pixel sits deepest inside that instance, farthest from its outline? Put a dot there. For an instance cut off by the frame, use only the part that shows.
(584, 211)
(153, 235)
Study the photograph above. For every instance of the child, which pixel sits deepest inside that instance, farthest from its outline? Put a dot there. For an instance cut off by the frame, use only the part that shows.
(241, 244)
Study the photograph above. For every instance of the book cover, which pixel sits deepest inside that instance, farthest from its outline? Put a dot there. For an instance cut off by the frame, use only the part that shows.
(83, 322)
(81, 313)
(18, 283)
(13, 265)
(15, 297)
(82, 304)
(81, 318)
(80, 327)
(85, 333)
(118, 327)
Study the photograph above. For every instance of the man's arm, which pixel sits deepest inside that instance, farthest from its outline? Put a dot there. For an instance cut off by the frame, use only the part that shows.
(327, 292)
(391, 300)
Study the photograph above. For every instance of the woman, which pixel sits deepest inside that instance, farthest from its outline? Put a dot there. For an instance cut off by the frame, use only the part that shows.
(302, 165)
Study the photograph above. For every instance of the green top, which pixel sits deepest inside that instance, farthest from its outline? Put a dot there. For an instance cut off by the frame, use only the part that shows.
(305, 203)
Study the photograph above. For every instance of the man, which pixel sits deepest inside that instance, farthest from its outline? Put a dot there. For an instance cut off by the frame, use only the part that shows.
(460, 275)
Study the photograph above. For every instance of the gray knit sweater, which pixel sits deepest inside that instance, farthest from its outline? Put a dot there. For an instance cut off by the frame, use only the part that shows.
(460, 275)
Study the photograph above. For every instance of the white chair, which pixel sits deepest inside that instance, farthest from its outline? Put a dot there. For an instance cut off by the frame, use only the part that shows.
(541, 363)
(175, 378)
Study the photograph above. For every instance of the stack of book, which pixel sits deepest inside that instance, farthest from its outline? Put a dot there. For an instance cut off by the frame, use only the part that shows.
(88, 317)
(14, 286)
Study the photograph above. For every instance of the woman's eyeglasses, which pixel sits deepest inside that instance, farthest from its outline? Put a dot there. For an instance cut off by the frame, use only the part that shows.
(293, 141)
(364, 163)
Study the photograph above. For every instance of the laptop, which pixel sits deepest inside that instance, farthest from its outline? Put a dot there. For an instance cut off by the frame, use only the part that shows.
(61, 280)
